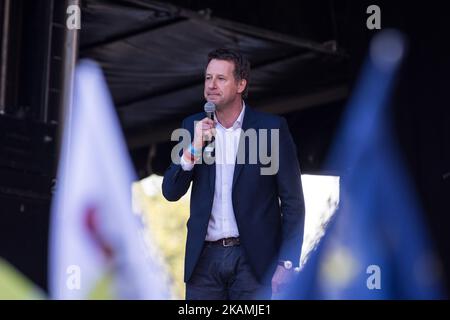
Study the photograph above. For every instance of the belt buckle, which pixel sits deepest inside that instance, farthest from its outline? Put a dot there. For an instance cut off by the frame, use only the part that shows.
(224, 243)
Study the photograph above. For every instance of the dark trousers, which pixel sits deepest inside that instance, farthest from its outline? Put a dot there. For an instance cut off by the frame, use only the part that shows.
(223, 273)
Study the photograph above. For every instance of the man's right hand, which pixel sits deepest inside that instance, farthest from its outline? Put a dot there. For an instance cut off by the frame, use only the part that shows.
(204, 131)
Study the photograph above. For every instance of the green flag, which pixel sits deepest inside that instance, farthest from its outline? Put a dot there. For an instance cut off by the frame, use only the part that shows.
(15, 286)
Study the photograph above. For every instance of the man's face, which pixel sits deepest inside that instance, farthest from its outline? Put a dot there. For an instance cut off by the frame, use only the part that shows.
(221, 88)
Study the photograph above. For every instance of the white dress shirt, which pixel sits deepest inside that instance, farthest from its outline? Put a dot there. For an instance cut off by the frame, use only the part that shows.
(222, 222)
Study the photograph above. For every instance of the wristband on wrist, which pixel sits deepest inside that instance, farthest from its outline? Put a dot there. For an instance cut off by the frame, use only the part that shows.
(193, 151)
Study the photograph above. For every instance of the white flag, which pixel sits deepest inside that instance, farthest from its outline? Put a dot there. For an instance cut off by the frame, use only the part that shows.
(94, 233)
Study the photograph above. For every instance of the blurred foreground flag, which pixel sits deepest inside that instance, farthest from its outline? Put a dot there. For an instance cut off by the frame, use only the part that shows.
(98, 246)
(16, 286)
(376, 245)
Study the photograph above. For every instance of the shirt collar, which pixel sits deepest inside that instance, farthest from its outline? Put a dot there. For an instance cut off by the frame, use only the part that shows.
(240, 118)
(238, 122)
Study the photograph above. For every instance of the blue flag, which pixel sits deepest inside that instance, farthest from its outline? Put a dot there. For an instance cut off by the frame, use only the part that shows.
(376, 245)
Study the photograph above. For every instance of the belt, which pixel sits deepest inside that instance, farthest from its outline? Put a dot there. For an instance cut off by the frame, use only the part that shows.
(226, 242)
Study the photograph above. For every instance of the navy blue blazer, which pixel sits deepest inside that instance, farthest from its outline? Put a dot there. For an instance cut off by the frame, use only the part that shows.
(269, 209)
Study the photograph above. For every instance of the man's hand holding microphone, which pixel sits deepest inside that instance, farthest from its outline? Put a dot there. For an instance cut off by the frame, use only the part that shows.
(204, 132)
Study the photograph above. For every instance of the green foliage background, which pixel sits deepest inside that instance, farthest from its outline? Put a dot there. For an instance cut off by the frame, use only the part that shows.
(167, 224)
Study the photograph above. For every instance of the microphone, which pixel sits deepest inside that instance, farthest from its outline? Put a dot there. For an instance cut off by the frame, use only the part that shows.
(210, 108)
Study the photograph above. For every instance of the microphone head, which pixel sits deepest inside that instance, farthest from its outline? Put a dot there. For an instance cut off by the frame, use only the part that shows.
(210, 107)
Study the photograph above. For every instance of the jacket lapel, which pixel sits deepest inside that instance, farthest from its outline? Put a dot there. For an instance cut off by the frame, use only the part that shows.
(212, 175)
(249, 122)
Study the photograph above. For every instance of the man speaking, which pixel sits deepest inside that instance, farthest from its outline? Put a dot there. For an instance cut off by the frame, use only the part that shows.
(245, 228)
